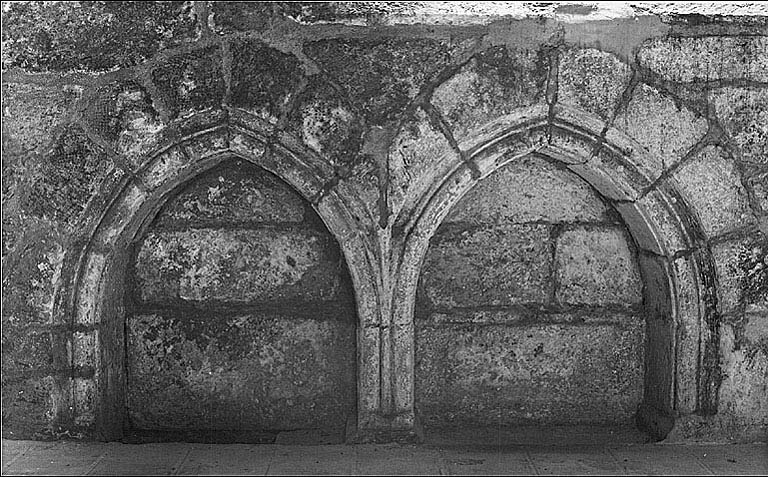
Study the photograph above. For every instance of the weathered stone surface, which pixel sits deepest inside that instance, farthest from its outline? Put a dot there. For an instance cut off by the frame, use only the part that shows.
(241, 371)
(29, 278)
(326, 123)
(494, 83)
(26, 349)
(707, 58)
(663, 224)
(592, 80)
(596, 266)
(190, 82)
(417, 154)
(26, 407)
(743, 112)
(742, 274)
(667, 129)
(263, 79)
(70, 176)
(729, 275)
(488, 266)
(381, 76)
(616, 174)
(235, 192)
(228, 17)
(500, 375)
(93, 35)
(758, 181)
(743, 394)
(265, 264)
(532, 315)
(529, 190)
(712, 187)
(31, 114)
(123, 114)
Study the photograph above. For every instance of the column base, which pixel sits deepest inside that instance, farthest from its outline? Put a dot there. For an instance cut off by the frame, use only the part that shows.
(381, 430)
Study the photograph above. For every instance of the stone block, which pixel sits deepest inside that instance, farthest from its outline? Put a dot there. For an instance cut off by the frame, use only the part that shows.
(120, 222)
(259, 265)
(84, 349)
(26, 406)
(361, 187)
(93, 37)
(89, 289)
(209, 370)
(190, 82)
(662, 218)
(123, 114)
(264, 80)
(743, 393)
(494, 375)
(743, 112)
(71, 175)
(495, 266)
(208, 144)
(591, 80)
(742, 274)
(658, 389)
(247, 145)
(31, 114)
(663, 126)
(164, 168)
(383, 75)
(689, 322)
(236, 192)
(26, 348)
(419, 153)
(493, 84)
(707, 58)
(326, 123)
(712, 187)
(570, 148)
(85, 395)
(229, 17)
(30, 275)
(530, 190)
(596, 266)
(758, 181)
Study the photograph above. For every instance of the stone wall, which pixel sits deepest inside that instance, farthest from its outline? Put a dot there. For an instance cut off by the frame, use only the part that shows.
(529, 307)
(241, 312)
(381, 117)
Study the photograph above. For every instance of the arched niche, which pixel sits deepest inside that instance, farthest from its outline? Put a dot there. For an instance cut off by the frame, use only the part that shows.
(240, 315)
(681, 330)
(89, 299)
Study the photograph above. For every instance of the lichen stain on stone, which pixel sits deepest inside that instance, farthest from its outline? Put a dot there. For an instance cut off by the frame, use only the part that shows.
(253, 370)
(744, 389)
(202, 265)
(381, 76)
(494, 83)
(236, 192)
(753, 264)
(263, 79)
(70, 175)
(190, 82)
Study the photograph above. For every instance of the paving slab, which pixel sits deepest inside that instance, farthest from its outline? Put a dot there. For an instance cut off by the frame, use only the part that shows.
(230, 459)
(96, 458)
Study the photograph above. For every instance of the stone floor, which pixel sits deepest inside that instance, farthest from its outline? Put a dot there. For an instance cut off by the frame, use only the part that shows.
(447, 458)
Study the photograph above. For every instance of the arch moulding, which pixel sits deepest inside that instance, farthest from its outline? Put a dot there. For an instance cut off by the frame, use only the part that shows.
(89, 294)
(678, 277)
